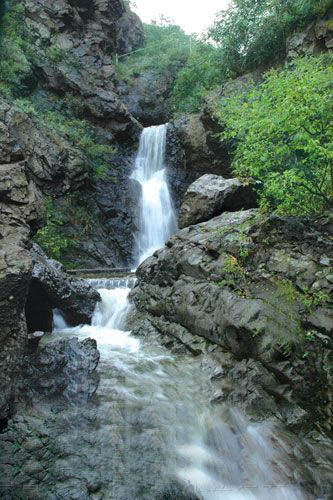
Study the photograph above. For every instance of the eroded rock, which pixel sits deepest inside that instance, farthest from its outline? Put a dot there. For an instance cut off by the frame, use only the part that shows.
(315, 38)
(51, 288)
(81, 39)
(21, 214)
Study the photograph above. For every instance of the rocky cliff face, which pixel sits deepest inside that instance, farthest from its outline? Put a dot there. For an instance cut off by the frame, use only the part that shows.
(74, 43)
(68, 73)
(21, 214)
(67, 70)
(316, 38)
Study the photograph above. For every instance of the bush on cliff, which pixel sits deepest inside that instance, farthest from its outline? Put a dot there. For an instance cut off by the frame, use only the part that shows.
(16, 75)
(250, 34)
(202, 72)
(283, 135)
(253, 33)
(166, 50)
(51, 237)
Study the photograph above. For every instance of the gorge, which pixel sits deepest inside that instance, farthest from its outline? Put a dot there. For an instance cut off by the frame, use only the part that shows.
(149, 404)
(206, 373)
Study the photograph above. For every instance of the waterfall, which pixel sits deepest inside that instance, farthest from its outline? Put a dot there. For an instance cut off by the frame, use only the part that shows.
(157, 216)
(153, 425)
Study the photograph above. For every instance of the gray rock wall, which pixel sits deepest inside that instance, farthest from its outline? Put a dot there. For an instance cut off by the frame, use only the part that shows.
(21, 214)
(256, 288)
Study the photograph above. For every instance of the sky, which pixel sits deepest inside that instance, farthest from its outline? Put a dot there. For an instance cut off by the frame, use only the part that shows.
(192, 15)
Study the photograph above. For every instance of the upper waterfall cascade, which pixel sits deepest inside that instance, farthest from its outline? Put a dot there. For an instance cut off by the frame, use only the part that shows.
(157, 216)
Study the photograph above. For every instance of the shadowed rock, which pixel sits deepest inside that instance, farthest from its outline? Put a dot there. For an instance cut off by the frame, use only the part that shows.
(51, 287)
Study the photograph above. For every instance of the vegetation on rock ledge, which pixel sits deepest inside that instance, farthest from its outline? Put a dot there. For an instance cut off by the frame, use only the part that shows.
(284, 135)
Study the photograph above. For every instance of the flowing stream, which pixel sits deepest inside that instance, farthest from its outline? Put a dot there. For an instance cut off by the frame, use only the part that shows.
(154, 430)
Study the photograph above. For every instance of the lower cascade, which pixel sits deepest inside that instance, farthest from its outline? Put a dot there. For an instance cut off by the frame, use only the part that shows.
(155, 434)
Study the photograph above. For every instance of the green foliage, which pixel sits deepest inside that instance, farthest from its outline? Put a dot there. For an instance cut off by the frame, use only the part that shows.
(202, 72)
(27, 106)
(51, 237)
(248, 35)
(77, 131)
(166, 50)
(314, 299)
(56, 54)
(81, 135)
(286, 329)
(252, 33)
(16, 75)
(284, 136)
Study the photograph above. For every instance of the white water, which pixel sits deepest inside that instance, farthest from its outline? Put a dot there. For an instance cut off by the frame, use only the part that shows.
(168, 428)
(217, 451)
(157, 216)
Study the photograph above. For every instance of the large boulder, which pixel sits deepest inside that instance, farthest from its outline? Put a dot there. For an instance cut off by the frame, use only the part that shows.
(62, 373)
(60, 381)
(194, 144)
(211, 195)
(51, 288)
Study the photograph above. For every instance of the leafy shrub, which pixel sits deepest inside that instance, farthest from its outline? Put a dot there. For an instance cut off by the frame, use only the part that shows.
(166, 49)
(202, 72)
(248, 35)
(252, 33)
(16, 75)
(284, 135)
(51, 237)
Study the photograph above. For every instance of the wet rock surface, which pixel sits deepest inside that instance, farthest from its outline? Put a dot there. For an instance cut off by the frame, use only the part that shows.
(62, 373)
(51, 288)
(60, 380)
(75, 442)
(211, 195)
(244, 285)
